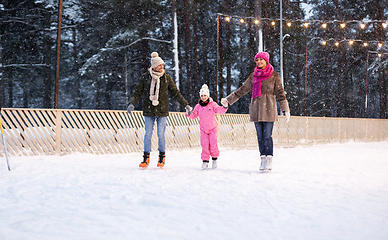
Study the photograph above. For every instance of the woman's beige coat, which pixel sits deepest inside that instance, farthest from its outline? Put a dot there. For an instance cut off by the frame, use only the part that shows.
(263, 109)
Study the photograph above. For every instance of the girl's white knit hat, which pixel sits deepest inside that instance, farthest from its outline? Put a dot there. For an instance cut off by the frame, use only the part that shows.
(204, 90)
(156, 60)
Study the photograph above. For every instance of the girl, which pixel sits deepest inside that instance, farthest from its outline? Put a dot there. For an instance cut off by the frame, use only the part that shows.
(205, 110)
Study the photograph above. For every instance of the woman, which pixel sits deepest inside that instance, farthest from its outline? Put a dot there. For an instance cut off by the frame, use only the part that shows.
(264, 82)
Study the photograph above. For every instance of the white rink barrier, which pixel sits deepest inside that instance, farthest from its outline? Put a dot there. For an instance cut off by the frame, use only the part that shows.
(31, 132)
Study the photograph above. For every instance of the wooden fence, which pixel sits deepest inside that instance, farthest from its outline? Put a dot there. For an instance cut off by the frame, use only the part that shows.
(31, 132)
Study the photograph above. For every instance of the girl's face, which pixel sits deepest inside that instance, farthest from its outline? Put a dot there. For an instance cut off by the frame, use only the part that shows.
(204, 98)
(261, 63)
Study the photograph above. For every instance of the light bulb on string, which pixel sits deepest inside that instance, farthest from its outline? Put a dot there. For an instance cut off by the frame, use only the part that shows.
(336, 43)
(227, 18)
(324, 43)
(343, 25)
(362, 25)
(273, 23)
(256, 21)
(324, 25)
(351, 42)
(365, 44)
(306, 24)
(289, 24)
(384, 25)
(379, 55)
(242, 20)
(379, 45)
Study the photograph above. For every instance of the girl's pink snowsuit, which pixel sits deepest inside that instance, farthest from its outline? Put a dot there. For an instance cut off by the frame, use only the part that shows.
(208, 126)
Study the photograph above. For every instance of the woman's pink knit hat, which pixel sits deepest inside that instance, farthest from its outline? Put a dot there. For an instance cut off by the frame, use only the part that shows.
(263, 55)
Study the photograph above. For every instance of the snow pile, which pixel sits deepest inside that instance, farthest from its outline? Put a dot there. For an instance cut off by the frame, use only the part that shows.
(335, 191)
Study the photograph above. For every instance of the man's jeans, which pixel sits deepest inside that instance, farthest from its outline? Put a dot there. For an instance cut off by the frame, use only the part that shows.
(161, 129)
(264, 137)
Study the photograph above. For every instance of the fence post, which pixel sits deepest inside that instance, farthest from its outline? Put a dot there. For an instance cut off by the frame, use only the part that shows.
(58, 131)
(307, 130)
(339, 129)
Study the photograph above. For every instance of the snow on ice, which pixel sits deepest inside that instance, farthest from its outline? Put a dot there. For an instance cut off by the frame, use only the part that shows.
(334, 191)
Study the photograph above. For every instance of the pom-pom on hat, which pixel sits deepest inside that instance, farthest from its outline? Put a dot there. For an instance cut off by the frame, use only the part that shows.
(204, 90)
(263, 55)
(156, 60)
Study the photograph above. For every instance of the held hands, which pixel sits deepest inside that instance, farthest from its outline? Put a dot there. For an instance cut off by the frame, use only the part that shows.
(224, 102)
(288, 115)
(130, 108)
(189, 109)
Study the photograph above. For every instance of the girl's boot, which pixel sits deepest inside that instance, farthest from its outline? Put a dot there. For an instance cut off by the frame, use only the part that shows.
(214, 163)
(205, 164)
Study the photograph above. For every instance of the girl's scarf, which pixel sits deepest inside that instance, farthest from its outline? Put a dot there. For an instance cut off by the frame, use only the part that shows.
(203, 104)
(155, 85)
(260, 75)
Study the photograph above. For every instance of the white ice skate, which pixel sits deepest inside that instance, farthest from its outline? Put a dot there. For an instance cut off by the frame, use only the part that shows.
(263, 163)
(214, 164)
(268, 167)
(204, 165)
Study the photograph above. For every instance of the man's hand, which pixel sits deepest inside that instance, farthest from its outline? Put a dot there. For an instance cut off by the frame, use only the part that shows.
(130, 108)
(189, 109)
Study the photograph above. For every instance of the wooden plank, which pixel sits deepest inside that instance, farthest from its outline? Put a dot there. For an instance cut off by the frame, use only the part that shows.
(14, 139)
(84, 129)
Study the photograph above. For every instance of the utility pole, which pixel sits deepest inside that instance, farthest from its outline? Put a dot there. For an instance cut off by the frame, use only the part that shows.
(259, 24)
(58, 53)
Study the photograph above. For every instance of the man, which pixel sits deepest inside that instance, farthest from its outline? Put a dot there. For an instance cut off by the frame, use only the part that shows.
(155, 85)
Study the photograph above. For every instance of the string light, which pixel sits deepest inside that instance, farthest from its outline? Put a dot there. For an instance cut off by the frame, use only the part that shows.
(324, 24)
(379, 54)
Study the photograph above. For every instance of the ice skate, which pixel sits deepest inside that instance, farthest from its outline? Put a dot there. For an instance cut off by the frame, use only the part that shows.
(161, 161)
(268, 166)
(205, 165)
(263, 163)
(214, 164)
(146, 161)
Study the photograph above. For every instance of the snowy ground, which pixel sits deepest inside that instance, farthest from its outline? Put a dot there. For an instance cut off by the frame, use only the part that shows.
(334, 191)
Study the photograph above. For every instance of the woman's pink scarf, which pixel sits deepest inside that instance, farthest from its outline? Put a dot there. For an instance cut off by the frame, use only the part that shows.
(260, 75)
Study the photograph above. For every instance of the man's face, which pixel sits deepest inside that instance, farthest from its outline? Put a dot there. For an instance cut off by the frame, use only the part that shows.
(159, 68)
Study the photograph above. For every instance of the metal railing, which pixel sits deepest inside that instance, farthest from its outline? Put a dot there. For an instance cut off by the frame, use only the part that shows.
(31, 132)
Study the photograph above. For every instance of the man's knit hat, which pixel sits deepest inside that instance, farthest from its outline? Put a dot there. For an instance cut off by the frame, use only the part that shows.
(204, 90)
(156, 60)
(263, 55)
